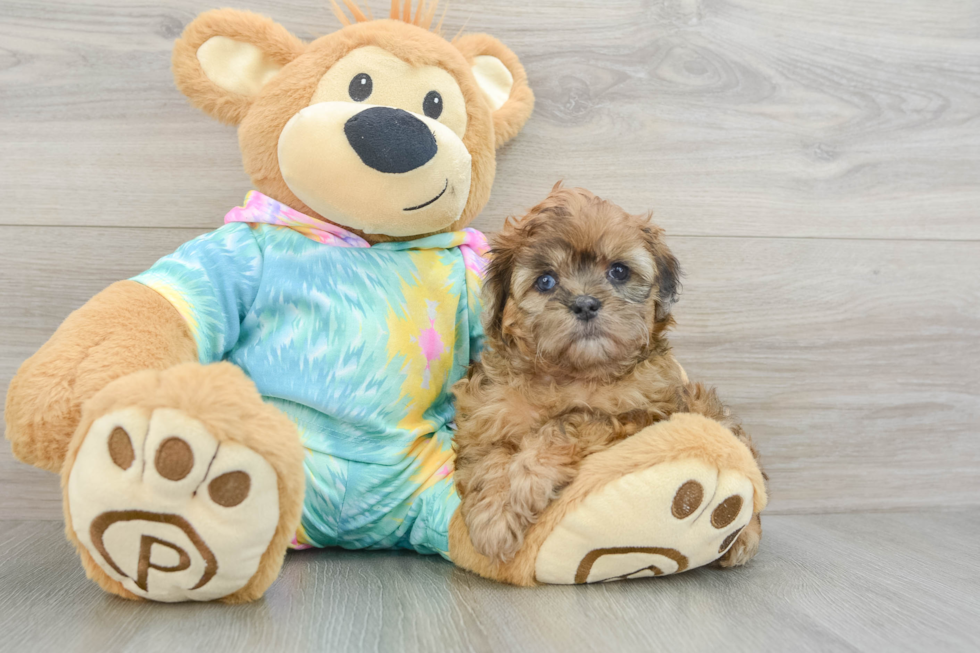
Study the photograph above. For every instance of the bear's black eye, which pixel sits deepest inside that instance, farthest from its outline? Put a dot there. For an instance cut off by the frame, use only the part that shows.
(618, 272)
(360, 87)
(432, 105)
(546, 282)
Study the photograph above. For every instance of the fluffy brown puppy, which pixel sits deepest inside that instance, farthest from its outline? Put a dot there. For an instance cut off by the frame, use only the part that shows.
(576, 358)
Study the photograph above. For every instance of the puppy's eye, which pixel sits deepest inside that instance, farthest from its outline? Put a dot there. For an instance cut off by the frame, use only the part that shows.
(618, 272)
(360, 87)
(546, 283)
(432, 105)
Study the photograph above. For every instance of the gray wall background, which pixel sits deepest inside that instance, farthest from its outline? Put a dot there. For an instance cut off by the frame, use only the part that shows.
(816, 166)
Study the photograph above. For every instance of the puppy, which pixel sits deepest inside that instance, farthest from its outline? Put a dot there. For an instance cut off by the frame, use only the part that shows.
(578, 296)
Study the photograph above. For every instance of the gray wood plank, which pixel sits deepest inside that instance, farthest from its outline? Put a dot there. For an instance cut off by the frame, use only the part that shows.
(727, 117)
(853, 363)
(858, 582)
(48, 272)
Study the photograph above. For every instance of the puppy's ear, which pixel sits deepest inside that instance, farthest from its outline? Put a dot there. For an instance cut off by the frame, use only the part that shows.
(496, 286)
(668, 269)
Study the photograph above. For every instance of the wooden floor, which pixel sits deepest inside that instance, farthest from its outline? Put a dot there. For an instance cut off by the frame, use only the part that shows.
(859, 582)
(816, 164)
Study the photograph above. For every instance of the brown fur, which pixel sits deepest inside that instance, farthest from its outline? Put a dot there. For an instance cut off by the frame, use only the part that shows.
(551, 389)
(510, 118)
(684, 435)
(125, 328)
(113, 347)
(227, 403)
(262, 118)
(244, 26)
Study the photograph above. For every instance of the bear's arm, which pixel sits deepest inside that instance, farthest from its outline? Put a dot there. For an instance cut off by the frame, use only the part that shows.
(187, 307)
(212, 281)
(125, 328)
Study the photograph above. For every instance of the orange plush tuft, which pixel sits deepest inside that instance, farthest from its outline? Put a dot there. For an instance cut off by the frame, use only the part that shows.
(401, 10)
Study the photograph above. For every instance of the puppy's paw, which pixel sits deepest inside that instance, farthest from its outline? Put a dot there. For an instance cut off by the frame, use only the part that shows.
(497, 534)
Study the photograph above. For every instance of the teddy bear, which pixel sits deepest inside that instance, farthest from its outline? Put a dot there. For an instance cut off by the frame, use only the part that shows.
(284, 381)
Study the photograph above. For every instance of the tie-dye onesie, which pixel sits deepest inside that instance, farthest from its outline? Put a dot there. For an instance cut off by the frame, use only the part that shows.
(358, 344)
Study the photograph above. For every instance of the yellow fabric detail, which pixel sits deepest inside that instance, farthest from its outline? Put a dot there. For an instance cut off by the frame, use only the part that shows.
(178, 301)
(423, 334)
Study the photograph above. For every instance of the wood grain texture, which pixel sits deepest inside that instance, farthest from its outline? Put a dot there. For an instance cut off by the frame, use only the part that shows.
(895, 582)
(727, 117)
(853, 363)
(814, 164)
(48, 272)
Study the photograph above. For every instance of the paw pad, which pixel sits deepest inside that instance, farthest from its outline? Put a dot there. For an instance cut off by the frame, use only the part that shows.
(138, 505)
(727, 542)
(121, 448)
(726, 512)
(230, 489)
(687, 500)
(145, 559)
(639, 553)
(662, 520)
(174, 459)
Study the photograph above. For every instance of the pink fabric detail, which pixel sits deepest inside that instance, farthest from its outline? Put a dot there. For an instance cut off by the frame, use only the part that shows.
(475, 249)
(445, 470)
(296, 546)
(431, 343)
(263, 209)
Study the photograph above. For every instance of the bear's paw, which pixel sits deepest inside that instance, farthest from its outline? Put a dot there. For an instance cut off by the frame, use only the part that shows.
(166, 510)
(661, 520)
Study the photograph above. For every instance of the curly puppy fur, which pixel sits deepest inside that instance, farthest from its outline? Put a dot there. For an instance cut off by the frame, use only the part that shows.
(569, 370)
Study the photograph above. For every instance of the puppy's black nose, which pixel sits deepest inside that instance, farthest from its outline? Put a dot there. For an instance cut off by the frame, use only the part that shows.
(390, 140)
(585, 307)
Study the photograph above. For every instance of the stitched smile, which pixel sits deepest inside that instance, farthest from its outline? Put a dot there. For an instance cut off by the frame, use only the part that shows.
(425, 204)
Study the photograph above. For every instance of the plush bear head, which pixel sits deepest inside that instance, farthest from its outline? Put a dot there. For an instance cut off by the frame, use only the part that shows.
(383, 127)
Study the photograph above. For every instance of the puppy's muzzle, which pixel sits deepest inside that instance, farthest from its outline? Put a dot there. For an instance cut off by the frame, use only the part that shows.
(585, 307)
(390, 140)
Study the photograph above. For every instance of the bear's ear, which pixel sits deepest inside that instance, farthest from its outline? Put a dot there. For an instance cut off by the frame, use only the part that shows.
(503, 81)
(225, 57)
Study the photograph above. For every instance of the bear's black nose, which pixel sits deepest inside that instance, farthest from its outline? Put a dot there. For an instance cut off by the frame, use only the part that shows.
(390, 140)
